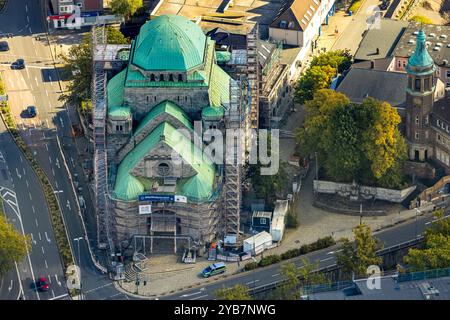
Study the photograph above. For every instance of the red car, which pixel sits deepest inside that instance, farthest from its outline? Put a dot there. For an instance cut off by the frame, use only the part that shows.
(42, 284)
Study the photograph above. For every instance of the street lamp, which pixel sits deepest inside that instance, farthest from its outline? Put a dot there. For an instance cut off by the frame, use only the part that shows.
(79, 264)
(415, 227)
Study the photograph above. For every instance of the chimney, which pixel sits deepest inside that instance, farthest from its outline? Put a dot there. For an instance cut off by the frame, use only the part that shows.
(372, 64)
(378, 51)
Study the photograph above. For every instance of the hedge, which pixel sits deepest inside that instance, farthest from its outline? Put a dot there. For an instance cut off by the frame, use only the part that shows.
(292, 253)
(355, 6)
(52, 203)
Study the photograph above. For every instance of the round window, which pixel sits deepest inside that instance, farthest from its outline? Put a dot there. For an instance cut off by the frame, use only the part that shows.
(163, 169)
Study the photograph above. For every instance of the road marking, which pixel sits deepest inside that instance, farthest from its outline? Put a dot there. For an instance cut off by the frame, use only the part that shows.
(56, 184)
(199, 297)
(37, 225)
(31, 32)
(32, 208)
(61, 296)
(43, 252)
(56, 277)
(27, 183)
(10, 286)
(26, 8)
(68, 205)
(49, 159)
(191, 294)
(24, 172)
(28, 19)
(46, 265)
(46, 146)
(46, 237)
(61, 120)
(21, 160)
(330, 258)
(91, 290)
(53, 171)
(275, 275)
(49, 279)
(32, 239)
(57, 163)
(29, 194)
(53, 293)
(18, 174)
(39, 234)
(251, 282)
(73, 163)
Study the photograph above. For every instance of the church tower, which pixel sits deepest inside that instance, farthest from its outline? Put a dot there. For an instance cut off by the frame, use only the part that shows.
(419, 101)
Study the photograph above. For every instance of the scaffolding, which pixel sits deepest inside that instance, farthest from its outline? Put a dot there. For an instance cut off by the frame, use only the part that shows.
(253, 75)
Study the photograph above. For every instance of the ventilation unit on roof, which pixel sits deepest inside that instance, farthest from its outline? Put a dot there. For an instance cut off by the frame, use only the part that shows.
(436, 48)
(411, 41)
(415, 33)
(445, 62)
(444, 36)
(432, 35)
(448, 45)
(439, 44)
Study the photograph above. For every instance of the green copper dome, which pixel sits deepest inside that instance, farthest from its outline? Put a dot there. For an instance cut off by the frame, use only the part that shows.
(420, 58)
(169, 42)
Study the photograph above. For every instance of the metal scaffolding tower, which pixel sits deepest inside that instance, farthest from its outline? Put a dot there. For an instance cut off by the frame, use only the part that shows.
(253, 75)
(104, 239)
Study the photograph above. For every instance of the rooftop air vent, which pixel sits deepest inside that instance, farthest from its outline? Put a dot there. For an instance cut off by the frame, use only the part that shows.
(436, 48)
(432, 35)
(411, 41)
(445, 62)
(443, 36)
(415, 33)
(439, 44)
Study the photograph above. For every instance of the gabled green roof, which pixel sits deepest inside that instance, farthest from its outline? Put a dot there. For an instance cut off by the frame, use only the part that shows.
(169, 42)
(114, 91)
(165, 107)
(420, 58)
(219, 87)
(198, 187)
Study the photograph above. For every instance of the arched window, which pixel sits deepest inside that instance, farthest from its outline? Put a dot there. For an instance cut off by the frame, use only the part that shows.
(171, 77)
(180, 77)
(161, 77)
(152, 77)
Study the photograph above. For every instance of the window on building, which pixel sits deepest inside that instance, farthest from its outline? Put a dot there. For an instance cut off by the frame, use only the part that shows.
(417, 84)
(447, 84)
(438, 137)
(148, 98)
(152, 77)
(283, 24)
(448, 74)
(399, 63)
(154, 99)
(438, 122)
(291, 25)
(180, 77)
(426, 120)
(410, 83)
(404, 63)
(426, 134)
(119, 128)
(171, 77)
(263, 221)
(426, 84)
(161, 77)
(417, 136)
(417, 119)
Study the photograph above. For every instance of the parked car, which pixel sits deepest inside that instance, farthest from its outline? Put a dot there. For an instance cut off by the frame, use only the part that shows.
(18, 64)
(42, 284)
(31, 110)
(214, 269)
(4, 46)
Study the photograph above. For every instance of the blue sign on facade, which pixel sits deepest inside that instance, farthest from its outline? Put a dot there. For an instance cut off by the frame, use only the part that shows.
(90, 14)
(156, 198)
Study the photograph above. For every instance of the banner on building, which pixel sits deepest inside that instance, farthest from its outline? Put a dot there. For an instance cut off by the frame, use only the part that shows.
(145, 209)
(180, 199)
(156, 198)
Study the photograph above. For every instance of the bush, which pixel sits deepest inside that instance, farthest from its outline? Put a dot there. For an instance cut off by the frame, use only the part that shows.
(355, 6)
(274, 258)
(421, 19)
(250, 266)
(290, 254)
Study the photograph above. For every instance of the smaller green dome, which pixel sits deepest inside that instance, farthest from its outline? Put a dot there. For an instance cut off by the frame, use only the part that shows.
(420, 58)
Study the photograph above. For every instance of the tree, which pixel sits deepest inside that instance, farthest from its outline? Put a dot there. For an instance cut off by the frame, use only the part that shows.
(358, 256)
(13, 246)
(125, 7)
(339, 59)
(421, 19)
(436, 251)
(237, 292)
(78, 64)
(354, 142)
(315, 78)
(297, 279)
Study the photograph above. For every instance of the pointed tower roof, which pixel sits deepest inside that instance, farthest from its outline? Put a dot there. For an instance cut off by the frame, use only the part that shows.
(420, 58)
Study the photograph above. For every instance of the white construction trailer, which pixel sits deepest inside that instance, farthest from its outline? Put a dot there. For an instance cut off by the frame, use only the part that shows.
(258, 242)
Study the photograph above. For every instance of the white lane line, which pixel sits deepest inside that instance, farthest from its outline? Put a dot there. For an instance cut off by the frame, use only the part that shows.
(26, 8)
(29, 194)
(53, 171)
(49, 279)
(330, 258)
(56, 184)
(46, 145)
(10, 286)
(46, 265)
(32, 208)
(43, 252)
(32, 239)
(46, 237)
(27, 183)
(39, 234)
(61, 296)
(59, 282)
(199, 297)
(275, 275)
(49, 159)
(251, 282)
(31, 32)
(53, 293)
(18, 174)
(21, 159)
(73, 163)
(28, 19)
(24, 172)
(37, 225)
(62, 123)
(91, 290)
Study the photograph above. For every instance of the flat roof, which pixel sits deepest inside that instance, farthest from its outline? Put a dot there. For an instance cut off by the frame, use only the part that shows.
(262, 214)
(438, 42)
(384, 36)
(248, 11)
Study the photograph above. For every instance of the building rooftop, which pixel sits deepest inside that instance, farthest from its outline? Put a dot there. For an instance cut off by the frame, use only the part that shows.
(442, 108)
(262, 214)
(437, 42)
(390, 289)
(387, 86)
(295, 14)
(382, 64)
(383, 37)
(236, 18)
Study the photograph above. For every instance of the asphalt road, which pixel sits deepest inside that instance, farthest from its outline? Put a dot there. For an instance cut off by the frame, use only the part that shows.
(38, 85)
(326, 257)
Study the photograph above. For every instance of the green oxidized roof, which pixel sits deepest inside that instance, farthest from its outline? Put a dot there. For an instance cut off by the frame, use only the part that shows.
(199, 187)
(219, 87)
(212, 112)
(169, 42)
(165, 107)
(420, 57)
(114, 90)
(223, 56)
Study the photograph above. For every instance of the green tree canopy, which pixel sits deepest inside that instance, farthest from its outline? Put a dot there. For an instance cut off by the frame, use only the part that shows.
(237, 292)
(354, 142)
(125, 7)
(358, 256)
(436, 252)
(13, 245)
(78, 64)
(340, 59)
(315, 78)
